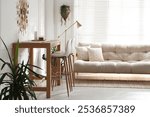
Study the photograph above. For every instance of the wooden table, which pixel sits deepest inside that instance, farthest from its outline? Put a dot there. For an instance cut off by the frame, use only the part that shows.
(40, 44)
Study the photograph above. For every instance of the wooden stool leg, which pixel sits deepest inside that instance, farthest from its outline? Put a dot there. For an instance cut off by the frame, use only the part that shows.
(66, 72)
(71, 57)
(70, 72)
(73, 73)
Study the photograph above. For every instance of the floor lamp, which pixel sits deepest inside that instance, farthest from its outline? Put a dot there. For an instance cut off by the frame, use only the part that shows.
(65, 31)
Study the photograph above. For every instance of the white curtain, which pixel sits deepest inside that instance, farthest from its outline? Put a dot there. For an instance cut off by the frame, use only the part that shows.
(119, 21)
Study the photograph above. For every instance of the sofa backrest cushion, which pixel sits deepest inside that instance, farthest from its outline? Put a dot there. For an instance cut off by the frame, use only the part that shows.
(136, 52)
(126, 52)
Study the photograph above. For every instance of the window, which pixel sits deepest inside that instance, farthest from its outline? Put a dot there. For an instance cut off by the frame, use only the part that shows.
(117, 21)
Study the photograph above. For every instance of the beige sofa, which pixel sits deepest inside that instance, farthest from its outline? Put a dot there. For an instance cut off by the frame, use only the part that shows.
(112, 58)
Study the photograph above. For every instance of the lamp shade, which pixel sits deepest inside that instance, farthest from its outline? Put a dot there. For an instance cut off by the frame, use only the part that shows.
(78, 24)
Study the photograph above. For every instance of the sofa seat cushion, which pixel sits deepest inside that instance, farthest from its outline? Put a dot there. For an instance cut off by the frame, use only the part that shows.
(86, 66)
(112, 67)
(141, 67)
(93, 66)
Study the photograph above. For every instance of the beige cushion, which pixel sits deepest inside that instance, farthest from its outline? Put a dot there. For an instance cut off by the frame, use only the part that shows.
(123, 67)
(95, 45)
(110, 56)
(92, 45)
(95, 54)
(84, 44)
(141, 67)
(82, 53)
(86, 66)
(111, 67)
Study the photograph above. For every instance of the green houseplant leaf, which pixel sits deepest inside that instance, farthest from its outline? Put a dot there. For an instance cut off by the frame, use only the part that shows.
(15, 83)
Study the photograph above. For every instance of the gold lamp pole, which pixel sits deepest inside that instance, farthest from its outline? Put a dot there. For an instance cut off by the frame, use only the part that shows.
(65, 31)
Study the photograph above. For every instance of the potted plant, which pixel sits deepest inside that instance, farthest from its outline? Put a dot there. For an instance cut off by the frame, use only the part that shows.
(15, 83)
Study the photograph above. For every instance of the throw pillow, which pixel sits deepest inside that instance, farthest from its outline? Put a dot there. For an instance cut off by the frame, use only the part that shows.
(82, 53)
(82, 44)
(96, 45)
(95, 54)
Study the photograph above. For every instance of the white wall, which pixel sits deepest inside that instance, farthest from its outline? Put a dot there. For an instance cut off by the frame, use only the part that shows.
(52, 18)
(53, 27)
(33, 18)
(8, 25)
(49, 19)
(58, 29)
(8, 21)
(9, 28)
(41, 18)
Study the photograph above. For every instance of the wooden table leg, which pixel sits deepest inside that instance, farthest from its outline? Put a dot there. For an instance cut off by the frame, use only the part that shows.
(31, 61)
(31, 45)
(48, 78)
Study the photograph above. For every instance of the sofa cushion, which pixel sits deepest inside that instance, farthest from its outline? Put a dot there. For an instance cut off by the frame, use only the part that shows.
(112, 67)
(123, 67)
(141, 67)
(84, 44)
(95, 45)
(138, 48)
(95, 54)
(94, 67)
(108, 48)
(126, 52)
(82, 53)
(107, 67)
(92, 45)
(86, 66)
(110, 56)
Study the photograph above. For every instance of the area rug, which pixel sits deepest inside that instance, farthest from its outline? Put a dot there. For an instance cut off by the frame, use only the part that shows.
(111, 80)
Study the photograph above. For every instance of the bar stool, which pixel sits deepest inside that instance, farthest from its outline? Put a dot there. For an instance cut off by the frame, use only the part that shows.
(67, 58)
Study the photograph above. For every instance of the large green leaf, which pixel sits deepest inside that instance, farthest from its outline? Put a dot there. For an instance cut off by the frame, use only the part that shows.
(16, 81)
(2, 78)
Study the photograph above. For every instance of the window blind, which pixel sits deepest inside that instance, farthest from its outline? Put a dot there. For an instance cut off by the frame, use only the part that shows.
(117, 21)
